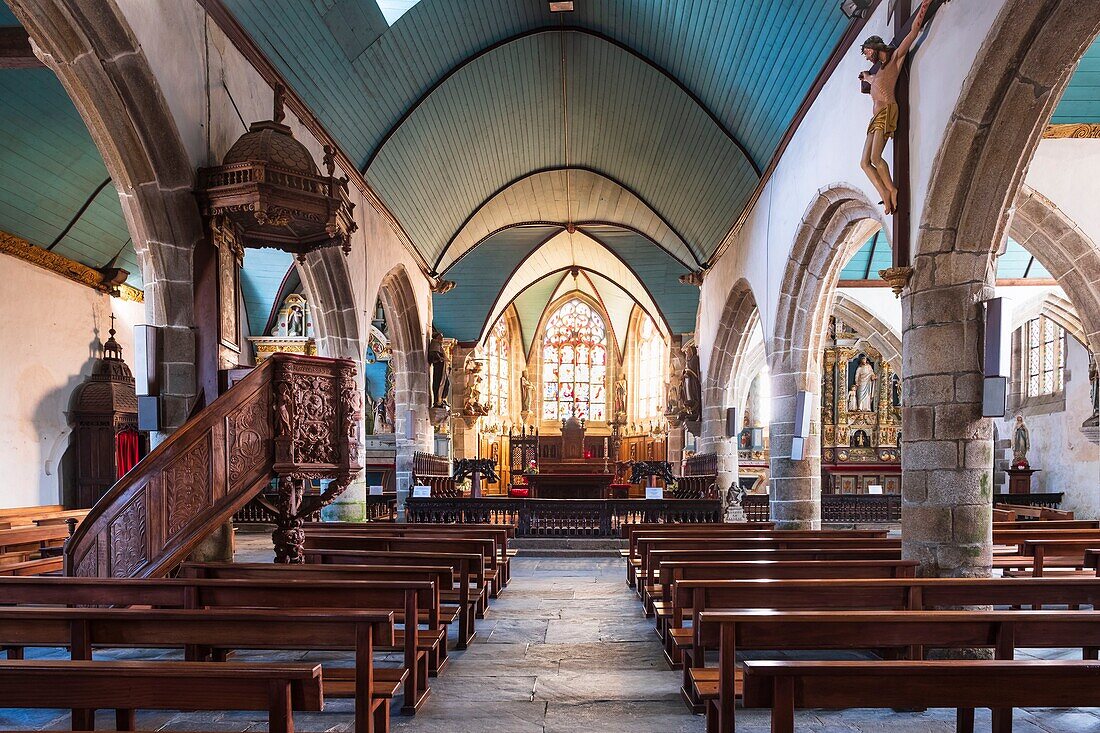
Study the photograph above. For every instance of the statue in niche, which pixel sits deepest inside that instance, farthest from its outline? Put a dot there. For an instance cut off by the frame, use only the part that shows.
(691, 387)
(860, 439)
(884, 121)
(1021, 444)
(440, 371)
(863, 379)
(853, 401)
(296, 322)
(895, 390)
(620, 397)
(526, 390)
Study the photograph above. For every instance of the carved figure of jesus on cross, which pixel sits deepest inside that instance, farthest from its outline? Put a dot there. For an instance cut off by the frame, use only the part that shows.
(884, 121)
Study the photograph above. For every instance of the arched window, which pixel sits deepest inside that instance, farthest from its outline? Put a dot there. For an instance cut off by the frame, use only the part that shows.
(651, 369)
(496, 348)
(1044, 357)
(574, 364)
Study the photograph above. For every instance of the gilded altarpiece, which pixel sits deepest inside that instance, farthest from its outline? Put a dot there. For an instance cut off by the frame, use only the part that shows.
(860, 418)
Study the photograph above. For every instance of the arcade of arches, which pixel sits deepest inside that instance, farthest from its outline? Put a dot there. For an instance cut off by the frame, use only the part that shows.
(524, 264)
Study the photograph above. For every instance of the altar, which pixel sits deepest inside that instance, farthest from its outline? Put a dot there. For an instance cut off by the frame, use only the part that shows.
(570, 485)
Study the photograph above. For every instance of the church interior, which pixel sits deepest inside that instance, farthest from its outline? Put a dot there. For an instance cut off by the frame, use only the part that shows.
(550, 365)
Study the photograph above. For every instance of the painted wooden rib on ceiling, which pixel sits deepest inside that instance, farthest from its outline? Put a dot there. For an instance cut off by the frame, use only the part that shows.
(1081, 100)
(54, 187)
(540, 197)
(748, 63)
(532, 302)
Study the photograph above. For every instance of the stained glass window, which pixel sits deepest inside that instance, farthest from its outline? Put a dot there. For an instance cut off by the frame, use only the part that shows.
(1045, 356)
(496, 349)
(651, 369)
(574, 364)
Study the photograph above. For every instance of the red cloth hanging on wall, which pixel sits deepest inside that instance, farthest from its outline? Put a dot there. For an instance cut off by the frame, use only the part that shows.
(126, 451)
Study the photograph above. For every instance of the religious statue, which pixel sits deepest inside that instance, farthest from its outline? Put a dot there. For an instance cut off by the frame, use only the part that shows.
(473, 406)
(440, 369)
(620, 397)
(691, 386)
(864, 383)
(884, 121)
(526, 390)
(1021, 443)
(295, 321)
(1094, 386)
(853, 401)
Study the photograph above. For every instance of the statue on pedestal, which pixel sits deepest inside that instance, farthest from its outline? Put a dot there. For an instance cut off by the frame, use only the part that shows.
(440, 371)
(526, 390)
(865, 379)
(1021, 443)
(691, 386)
(620, 398)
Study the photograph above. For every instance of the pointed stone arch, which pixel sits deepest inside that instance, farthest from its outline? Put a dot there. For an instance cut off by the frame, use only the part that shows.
(740, 316)
(879, 334)
(836, 223)
(408, 342)
(89, 45)
(327, 281)
(1067, 253)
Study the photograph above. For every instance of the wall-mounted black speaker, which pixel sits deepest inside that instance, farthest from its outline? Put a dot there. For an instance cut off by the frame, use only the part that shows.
(731, 422)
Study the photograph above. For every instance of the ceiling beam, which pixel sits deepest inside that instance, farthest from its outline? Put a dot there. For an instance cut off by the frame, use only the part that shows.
(16, 51)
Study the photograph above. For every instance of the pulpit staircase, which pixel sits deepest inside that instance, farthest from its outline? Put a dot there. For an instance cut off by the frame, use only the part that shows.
(293, 418)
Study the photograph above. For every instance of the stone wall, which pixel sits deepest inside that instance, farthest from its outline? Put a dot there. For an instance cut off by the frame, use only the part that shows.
(54, 330)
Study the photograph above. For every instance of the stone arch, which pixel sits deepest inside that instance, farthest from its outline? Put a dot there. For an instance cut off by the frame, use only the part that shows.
(837, 222)
(740, 316)
(1067, 253)
(89, 45)
(408, 343)
(327, 281)
(880, 335)
(1016, 81)
(1057, 309)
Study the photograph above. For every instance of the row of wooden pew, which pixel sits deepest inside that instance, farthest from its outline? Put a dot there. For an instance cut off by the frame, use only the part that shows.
(366, 589)
(32, 538)
(725, 588)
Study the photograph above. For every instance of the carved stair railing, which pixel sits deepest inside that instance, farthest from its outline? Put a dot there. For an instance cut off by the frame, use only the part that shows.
(293, 418)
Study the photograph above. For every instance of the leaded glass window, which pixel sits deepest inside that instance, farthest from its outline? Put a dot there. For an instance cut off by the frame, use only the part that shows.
(574, 364)
(651, 369)
(496, 348)
(1044, 356)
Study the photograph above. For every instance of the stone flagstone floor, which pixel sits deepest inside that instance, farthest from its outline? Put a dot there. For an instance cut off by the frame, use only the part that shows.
(565, 648)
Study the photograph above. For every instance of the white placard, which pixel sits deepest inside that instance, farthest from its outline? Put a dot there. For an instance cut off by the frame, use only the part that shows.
(376, 491)
(654, 492)
(420, 492)
(874, 489)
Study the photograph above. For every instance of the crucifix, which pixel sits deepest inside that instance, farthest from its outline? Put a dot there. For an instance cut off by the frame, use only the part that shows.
(887, 82)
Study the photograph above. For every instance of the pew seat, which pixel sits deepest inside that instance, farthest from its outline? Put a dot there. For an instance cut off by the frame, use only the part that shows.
(128, 686)
(965, 685)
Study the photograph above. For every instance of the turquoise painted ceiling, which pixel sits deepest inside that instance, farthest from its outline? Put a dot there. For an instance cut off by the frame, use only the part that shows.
(1081, 100)
(265, 273)
(55, 191)
(875, 254)
(483, 273)
(682, 103)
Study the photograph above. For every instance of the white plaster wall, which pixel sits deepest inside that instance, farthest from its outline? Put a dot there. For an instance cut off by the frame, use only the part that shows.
(195, 64)
(881, 302)
(826, 151)
(54, 331)
(1067, 461)
(1065, 171)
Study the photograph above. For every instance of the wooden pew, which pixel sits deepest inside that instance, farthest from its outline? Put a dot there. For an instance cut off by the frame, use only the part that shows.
(647, 544)
(128, 686)
(1092, 561)
(670, 619)
(32, 550)
(898, 594)
(442, 577)
(909, 632)
(85, 629)
(1049, 524)
(470, 593)
(407, 596)
(420, 543)
(719, 529)
(1060, 553)
(968, 684)
(499, 533)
